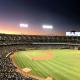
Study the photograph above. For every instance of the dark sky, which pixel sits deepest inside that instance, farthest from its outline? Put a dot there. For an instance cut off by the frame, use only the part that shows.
(64, 15)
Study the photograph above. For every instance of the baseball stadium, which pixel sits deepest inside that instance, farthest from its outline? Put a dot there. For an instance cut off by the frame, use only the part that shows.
(39, 40)
(38, 57)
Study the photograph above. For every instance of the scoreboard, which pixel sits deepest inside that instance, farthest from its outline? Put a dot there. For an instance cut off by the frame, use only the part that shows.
(72, 33)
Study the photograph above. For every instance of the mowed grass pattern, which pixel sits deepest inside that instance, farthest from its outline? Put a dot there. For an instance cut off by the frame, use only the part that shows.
(65, 64)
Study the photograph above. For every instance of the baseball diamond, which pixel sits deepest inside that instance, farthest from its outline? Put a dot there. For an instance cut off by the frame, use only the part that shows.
(59, 64)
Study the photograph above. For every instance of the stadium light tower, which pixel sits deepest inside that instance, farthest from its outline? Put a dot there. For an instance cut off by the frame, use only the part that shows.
(23, 25)
(47, 26)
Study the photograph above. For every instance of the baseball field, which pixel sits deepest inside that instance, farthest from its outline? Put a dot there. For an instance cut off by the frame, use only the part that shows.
(60, 64)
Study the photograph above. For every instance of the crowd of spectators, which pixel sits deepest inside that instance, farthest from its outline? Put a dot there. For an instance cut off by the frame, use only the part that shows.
(7, 68)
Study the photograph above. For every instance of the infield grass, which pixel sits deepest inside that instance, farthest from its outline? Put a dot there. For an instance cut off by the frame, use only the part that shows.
(64, 65)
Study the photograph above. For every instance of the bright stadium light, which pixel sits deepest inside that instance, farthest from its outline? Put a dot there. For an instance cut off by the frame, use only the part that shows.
(23, 25)
(47, 26)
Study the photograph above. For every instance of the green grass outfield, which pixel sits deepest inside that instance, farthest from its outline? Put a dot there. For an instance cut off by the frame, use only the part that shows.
(65, 64)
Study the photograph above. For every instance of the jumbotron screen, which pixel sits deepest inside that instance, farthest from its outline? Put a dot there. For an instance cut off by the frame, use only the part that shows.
(72, 33)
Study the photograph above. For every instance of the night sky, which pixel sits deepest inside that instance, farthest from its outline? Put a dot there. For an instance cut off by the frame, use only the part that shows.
(64, 15)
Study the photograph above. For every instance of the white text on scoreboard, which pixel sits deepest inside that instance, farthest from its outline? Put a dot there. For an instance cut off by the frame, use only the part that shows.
(72, 33)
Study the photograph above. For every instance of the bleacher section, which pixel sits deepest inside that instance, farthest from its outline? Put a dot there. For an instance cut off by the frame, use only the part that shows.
(8, 39)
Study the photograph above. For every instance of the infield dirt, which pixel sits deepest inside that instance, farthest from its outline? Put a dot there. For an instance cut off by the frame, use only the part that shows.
(47, 55)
